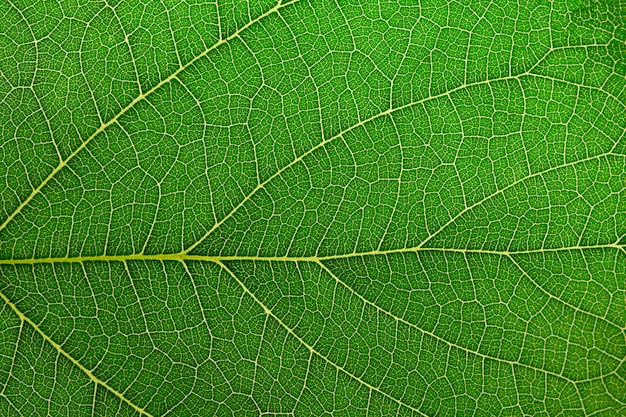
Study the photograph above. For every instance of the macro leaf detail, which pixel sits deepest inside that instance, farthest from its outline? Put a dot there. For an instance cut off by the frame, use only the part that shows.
(306, 208)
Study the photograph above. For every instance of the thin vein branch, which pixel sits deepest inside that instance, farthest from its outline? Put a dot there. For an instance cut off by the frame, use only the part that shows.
(62, 352)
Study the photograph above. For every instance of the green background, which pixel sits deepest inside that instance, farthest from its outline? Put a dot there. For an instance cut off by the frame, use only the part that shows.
(312, 207)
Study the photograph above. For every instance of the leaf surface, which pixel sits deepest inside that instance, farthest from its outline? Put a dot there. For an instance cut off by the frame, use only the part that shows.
(312, 208)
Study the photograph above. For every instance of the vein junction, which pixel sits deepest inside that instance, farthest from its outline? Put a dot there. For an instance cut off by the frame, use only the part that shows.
(182, 256)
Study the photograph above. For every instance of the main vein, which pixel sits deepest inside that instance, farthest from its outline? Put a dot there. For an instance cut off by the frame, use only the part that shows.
(183, 256)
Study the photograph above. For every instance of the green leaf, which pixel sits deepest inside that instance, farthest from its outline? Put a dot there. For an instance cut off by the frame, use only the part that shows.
(315, 208)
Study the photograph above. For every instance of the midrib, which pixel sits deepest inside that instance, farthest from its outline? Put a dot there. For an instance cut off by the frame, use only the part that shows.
(182, 256)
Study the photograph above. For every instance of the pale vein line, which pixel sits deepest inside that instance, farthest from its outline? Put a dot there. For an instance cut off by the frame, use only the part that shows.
(441, 339)
(573, 84)
(573, 307)
(138, 99)
(219, 260)
(323, 143)
(386, 113)
(311, 348)
(13, 357)
(32, 81)
(183, 257)
(505, 188)
(61, 351)
(13, 406)
(416, 249)
(209, 258)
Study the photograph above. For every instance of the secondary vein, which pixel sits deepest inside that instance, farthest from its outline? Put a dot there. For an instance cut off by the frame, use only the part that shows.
(60, 349)
(132, 104)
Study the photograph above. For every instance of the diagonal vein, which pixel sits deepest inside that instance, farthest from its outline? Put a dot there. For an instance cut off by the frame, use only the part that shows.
(132, 104)
(183, 257)
(61, 351)
(505, 188)
(220, 261)
(439, 338)
(339, 135)
(554, 297)
(311, 348)
(387, 112)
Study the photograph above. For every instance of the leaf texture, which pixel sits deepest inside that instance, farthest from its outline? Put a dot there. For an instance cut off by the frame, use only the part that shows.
(302, 208)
